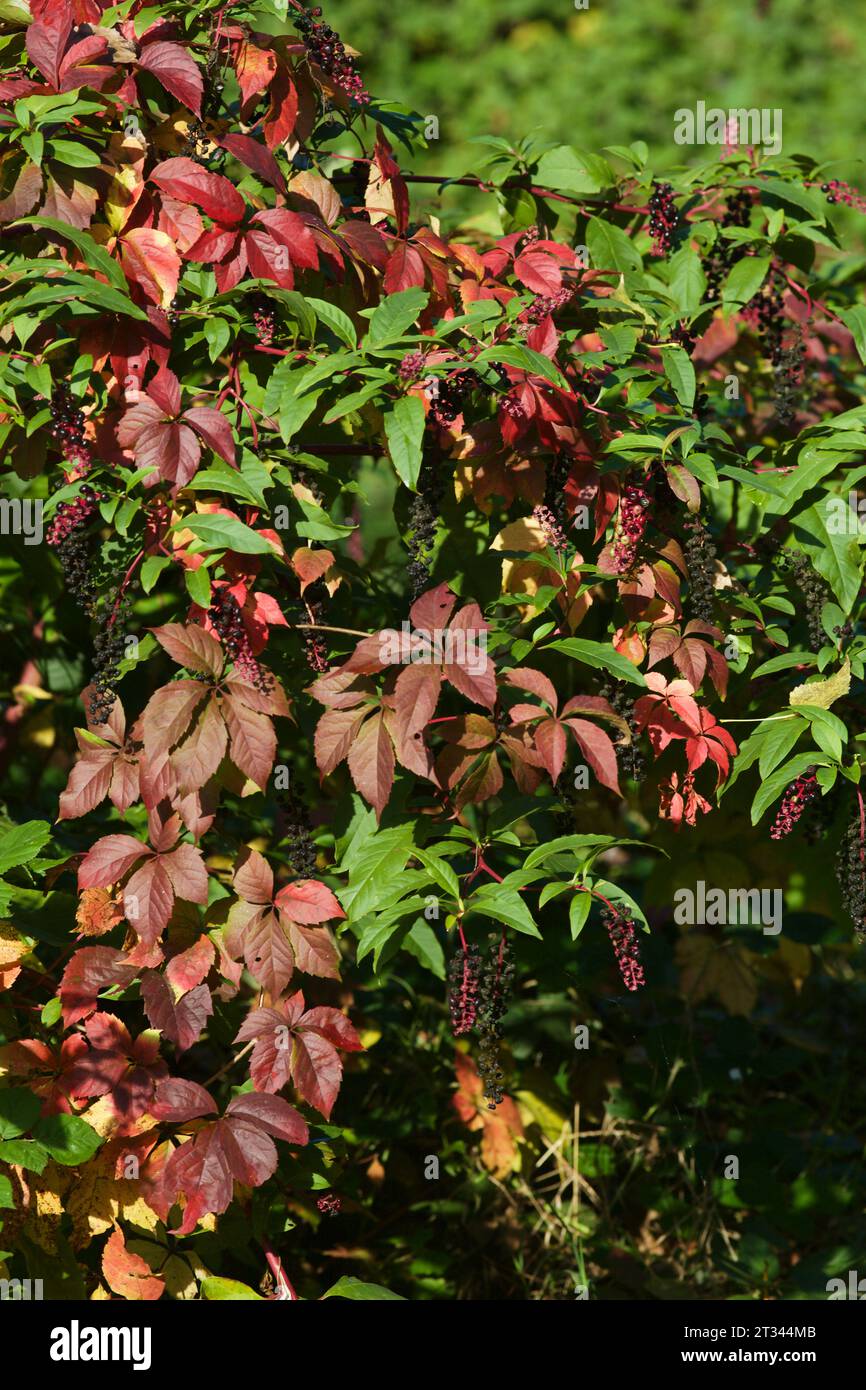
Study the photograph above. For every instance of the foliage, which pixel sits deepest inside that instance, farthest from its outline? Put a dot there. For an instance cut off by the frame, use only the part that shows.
(409, 587)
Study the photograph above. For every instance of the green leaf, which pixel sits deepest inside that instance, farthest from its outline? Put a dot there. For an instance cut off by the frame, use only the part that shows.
(378, 861)
(565, 169)
(94, 255)
(19, 1111)
(578, 912)
(745, 279)
(23, 843)
(836, 557)
(680, 374)
(334, 318)
(227, 533)
(618, 896)
(350, 1287)
(688, 282)
(198, 586)
(493, 900)
(68, 1139)
(26, 1153)
(527, 359)
(218, 1290)
(599, 655)
(610, 248)
(780, 738)
(855, 321)
(394, 315)
(404, 430)
(423, 943)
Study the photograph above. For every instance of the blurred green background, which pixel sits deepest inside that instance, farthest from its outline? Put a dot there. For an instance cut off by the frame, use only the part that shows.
(614, 72)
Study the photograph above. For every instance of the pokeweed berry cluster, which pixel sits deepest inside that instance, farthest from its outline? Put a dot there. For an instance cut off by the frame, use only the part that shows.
(264, 320)
(448, 395)
(838, 191)
(628, 755)
(423, 515)
(109, 650)
(464, 972)
(67, 428)
(634, 509)
(663, 218)
(788, 371)
(228, 623)
(326, 49)
(738, 211)
(810, 588)
(624, 940)
(67, 536)
(797, 797)
(851, 874)
(700, 557)
(297, 842)
(550, 527)
(543, 305)
(494, 991)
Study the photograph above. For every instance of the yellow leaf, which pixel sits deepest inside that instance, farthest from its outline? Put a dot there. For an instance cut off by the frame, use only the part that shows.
(823, 693)
(708, 966)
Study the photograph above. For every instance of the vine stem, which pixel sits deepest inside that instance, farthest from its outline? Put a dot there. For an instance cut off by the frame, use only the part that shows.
(324, 627)
(275, 1265)
(230, 1063)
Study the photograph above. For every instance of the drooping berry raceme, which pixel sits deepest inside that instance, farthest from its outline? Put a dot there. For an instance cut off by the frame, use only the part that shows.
(298, 841)
(228, 623)
(67, 427)
(838, 191)
(264, 320)
(811, 593)
(448, 394)
(109, 649)
(423, 518)
(326, 49)
(738, 211)
(663, 218)
(788, 371)
(794, 802)
(494, 990)
(67, 536)
(634, 510)
(330, 1205)
(550, 527)
(411, 366)
(851, 874)
(463, 977)
(700, 557)
(624, 940)
(628, 755)
(543, 305)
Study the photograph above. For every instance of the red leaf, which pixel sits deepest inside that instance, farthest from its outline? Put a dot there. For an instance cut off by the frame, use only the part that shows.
(416, 696)
(253, 877)
(279, 123)
(182, 178)
(24, 195)
(177, 1101)
(333, 1025)
(182, 1022)
(404, 270)
(315, 952)
(148, 900)
(88, 783)
(271, 1114)
(253, 741)
(214, 428)
(168, 713)
(307, 901)
(598, 751)
(90, 970)
(175, 68)
(47, 38)
(109, 859)
(255, 68)
(150, 259)
(538, 271)
(192, 647)
(255, 156)
(335, 734)
(371, 763)
(185, 867)
(192, 966)
(199, 756)
(317, 1071)
(526, 678)
(264, 942)
(550, 741)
